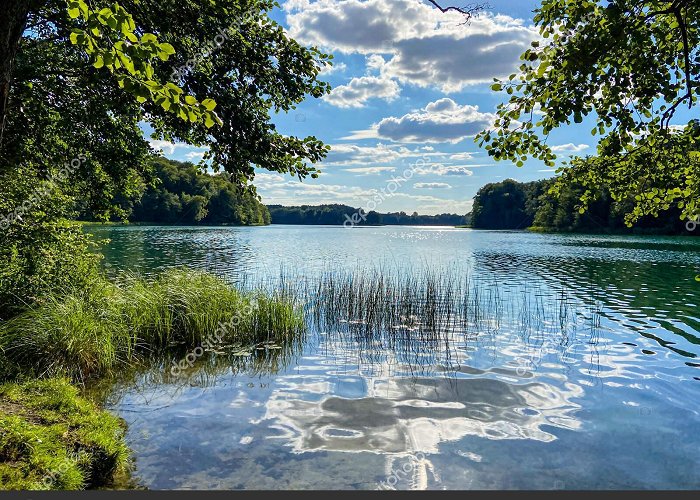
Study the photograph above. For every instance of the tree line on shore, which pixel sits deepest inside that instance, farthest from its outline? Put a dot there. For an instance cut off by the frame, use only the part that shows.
(520, 205)
(339, 214)
(183, 194)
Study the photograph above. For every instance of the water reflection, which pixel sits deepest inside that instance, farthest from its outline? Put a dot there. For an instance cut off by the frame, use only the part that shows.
(573, 368)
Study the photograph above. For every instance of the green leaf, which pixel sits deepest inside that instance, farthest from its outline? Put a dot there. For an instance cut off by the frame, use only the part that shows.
(167, 48)
(209, 104)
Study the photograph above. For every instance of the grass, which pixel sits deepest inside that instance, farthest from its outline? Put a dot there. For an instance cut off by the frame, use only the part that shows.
(431, 305)
(51, 438)
(90, 332)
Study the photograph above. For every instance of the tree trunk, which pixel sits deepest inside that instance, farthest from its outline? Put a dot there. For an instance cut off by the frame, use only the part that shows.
(13, 19)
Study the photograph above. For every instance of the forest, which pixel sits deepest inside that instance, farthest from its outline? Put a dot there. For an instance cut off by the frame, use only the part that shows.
(182, 194)
(337, 214)
(521, 205)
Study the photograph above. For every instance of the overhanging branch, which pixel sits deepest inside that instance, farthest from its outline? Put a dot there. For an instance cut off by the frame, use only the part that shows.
(468, 11)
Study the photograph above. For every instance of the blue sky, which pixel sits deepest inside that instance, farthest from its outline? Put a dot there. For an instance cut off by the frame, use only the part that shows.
(410, 90)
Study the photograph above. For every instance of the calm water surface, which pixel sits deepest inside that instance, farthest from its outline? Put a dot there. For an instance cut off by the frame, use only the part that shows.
(581, 372)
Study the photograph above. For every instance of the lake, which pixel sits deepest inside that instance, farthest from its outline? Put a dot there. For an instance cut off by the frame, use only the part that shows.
(580, 370)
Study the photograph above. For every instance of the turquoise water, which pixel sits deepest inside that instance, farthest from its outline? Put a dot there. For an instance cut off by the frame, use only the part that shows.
(581, 370)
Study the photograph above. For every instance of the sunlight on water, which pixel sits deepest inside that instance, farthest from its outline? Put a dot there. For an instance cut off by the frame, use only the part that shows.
(540, 361)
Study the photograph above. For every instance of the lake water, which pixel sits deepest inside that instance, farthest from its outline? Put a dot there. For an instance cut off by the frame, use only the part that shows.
(582, 370)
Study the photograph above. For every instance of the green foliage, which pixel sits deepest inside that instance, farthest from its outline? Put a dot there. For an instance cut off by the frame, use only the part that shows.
(41, 253)
(337, 214)
(515, 205)
(506, 205)
(53, 439)
(183, 194)
(93, 330)
(67, 103)
(255, 71)
(628, 65)
(110, 37)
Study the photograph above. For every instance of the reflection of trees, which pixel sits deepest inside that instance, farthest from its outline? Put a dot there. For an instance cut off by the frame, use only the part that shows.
(652, 299)
(148, 249)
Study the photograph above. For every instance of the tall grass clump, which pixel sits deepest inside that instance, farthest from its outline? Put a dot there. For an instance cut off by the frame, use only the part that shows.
(90, 331)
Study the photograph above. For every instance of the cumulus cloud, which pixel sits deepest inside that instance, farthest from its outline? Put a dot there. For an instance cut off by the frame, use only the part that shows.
(424, 46)
(570, 148)
(356, 93)
(335, 68)
(431, 185)
(371, 170)
(166, 146)
(441, 121)
(438, 169)
(195, 155)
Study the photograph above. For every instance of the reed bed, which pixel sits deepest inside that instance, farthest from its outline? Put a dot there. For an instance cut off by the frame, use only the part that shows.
(92, 331)
(115, 324)
(427, 305)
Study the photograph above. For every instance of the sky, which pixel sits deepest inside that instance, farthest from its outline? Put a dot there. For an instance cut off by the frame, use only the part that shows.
(411, 89)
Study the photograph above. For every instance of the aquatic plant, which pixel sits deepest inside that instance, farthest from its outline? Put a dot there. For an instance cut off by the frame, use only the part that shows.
(90, 331)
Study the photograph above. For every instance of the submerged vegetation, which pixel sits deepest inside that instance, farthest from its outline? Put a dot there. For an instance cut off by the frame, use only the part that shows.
(51, 438)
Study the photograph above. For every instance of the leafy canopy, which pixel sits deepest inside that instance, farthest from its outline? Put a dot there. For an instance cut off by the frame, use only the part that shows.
(110, 38)
(629, 65)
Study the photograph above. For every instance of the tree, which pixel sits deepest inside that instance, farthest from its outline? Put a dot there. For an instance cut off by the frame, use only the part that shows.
(230, 55)
(110, 37)
(501, 205)
(631, 64)
(77, 80)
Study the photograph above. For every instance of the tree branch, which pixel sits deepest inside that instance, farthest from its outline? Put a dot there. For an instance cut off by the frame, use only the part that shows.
(468, 11)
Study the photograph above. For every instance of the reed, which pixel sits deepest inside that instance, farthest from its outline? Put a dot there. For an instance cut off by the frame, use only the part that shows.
(89, 332)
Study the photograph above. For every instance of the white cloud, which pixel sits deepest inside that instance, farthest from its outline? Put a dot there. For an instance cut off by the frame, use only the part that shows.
(450, 170)
(195, 155)
(268, 180)
(441, 121)
(353, 154)
(169, 148)
(375, 62)
(356, 93)
(462, 156)
(166, 146)
(431, 185)
(370, 170)
(424, 46)
(570, 148)
(336, 68)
